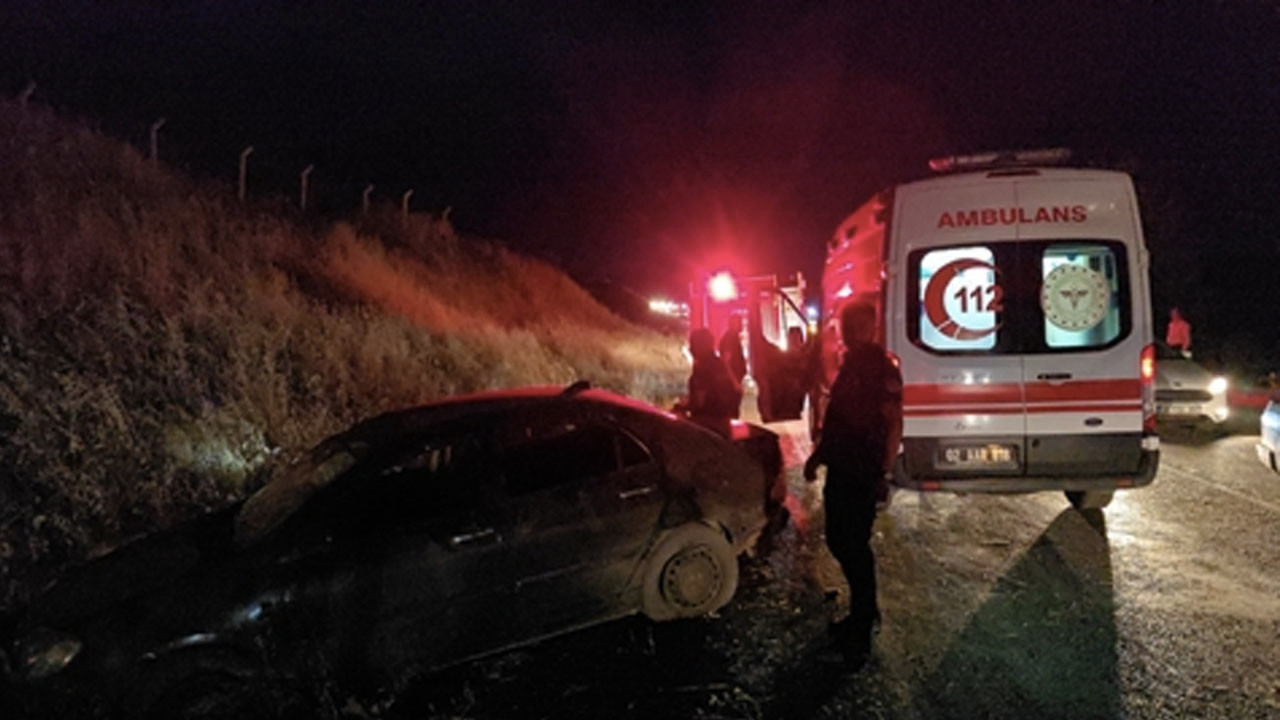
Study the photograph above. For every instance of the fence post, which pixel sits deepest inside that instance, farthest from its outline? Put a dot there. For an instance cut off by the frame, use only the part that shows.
(244, 162)
(404, 207)
(364, 199)
(155, 145)
(25, 95)
(302, 190)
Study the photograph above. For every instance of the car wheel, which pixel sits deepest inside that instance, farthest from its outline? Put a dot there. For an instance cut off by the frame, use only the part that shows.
(1089, 499)
(691, 572)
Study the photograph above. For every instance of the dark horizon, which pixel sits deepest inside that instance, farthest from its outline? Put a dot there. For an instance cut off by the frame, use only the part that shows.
(644, 144)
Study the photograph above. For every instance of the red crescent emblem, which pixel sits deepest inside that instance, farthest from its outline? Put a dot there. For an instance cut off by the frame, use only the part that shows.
(934, 300)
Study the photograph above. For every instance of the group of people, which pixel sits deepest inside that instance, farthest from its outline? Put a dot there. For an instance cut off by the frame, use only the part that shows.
(715, 388)
(861, 432)
(714, 392)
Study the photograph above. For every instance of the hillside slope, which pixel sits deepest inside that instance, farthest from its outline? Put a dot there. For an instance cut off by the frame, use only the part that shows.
(162, 347)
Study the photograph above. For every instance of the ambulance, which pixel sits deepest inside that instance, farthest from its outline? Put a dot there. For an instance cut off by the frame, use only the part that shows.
(1013, 293)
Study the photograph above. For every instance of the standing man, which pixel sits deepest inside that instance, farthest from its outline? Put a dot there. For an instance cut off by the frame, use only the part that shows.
(1178, 335)
(861, 432)
(731, 350)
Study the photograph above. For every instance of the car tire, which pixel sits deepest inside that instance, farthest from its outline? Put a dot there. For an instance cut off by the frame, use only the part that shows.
(692, 571)
(1089, 499)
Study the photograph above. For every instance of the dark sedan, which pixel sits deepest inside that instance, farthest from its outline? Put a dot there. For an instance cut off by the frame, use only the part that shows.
(414, 540)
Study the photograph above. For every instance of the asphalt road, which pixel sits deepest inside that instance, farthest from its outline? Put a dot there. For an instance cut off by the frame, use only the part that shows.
(1164, 605)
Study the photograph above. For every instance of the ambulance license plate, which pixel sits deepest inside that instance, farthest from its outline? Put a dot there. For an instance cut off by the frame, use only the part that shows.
(978, 456)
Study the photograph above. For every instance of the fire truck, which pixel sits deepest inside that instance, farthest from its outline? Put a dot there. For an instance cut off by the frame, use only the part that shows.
(770, 309)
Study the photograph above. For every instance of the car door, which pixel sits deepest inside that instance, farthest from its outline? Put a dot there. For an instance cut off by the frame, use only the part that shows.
(586, 498)
(417, 569)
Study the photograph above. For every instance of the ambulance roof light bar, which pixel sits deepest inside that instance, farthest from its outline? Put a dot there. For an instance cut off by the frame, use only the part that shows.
(1001, 158)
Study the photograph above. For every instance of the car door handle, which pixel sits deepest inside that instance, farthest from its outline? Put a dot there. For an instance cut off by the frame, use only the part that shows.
(470, 538)
(635, 492)
(1054, 377)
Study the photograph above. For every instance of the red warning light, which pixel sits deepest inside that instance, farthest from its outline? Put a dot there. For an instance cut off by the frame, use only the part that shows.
(722, 287)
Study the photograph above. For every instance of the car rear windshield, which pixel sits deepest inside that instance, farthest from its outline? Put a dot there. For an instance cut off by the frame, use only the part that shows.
(1018, 297)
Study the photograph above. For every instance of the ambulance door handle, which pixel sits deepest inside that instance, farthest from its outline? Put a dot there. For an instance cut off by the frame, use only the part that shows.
(1054, 377)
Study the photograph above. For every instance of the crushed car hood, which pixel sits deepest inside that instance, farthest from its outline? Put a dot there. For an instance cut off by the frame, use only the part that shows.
(134, 569)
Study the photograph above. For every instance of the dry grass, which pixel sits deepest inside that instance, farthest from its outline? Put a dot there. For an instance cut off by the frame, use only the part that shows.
(161, 347)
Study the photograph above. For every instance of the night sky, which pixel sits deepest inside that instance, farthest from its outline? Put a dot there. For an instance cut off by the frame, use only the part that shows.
(644, 143)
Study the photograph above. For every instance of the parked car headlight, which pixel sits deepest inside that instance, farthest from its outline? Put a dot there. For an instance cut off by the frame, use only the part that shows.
(44, 652)
(1218, 385)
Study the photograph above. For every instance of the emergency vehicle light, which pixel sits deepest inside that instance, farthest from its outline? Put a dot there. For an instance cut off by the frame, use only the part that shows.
(1001, 158)
(722, 287)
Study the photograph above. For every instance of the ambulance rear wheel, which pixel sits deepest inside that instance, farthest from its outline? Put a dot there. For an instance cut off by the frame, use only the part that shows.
(1089, 499)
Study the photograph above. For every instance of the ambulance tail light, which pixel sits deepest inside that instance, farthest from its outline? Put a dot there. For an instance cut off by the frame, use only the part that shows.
(1147, 375)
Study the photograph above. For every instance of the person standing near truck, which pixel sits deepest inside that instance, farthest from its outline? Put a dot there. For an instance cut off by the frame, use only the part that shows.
(731, 349)
(861, 432)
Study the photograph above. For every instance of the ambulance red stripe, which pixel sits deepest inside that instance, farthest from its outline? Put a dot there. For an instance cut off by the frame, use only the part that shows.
(1018, 409)
(1036, 392)
(1085, 390)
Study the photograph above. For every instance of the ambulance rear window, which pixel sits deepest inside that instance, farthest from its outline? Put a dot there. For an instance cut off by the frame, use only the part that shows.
(1080, 295)
(960, 299)
(1006, 297)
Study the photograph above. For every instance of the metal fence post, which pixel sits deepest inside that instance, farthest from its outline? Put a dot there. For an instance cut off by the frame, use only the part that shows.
(302, 190)
(244, 162)
(25, 95)
(155, 145)
(404, 207)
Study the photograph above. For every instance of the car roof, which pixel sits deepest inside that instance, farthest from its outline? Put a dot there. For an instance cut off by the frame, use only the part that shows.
(289, 488)
(524, 396)
(459, 408)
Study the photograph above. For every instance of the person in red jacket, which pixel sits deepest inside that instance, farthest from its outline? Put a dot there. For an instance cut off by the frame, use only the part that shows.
(1179, 333)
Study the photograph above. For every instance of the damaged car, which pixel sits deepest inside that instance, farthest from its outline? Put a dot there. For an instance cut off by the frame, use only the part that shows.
(415, 540)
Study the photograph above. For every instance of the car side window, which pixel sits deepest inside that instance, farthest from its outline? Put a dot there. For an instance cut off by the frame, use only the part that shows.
(567, 453)
(430, 478)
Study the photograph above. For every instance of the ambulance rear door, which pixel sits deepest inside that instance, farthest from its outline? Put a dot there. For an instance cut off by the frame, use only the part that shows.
(1080, 240)
(963, 405)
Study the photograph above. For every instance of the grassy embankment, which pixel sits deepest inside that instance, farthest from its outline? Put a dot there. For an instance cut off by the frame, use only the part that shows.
(162, 347)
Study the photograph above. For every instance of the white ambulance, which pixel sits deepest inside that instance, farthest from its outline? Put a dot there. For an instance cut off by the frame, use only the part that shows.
(1014, 294)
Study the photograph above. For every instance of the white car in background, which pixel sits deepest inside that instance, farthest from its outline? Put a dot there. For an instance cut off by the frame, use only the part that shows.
(1186, 392)
(1269, 432)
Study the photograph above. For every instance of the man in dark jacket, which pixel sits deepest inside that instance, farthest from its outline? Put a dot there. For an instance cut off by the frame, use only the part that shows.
(861, 432)
(731, 350)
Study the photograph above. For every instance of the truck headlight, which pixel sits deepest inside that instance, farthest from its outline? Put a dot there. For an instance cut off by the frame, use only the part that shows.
(1218, 385)
(44, 652)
